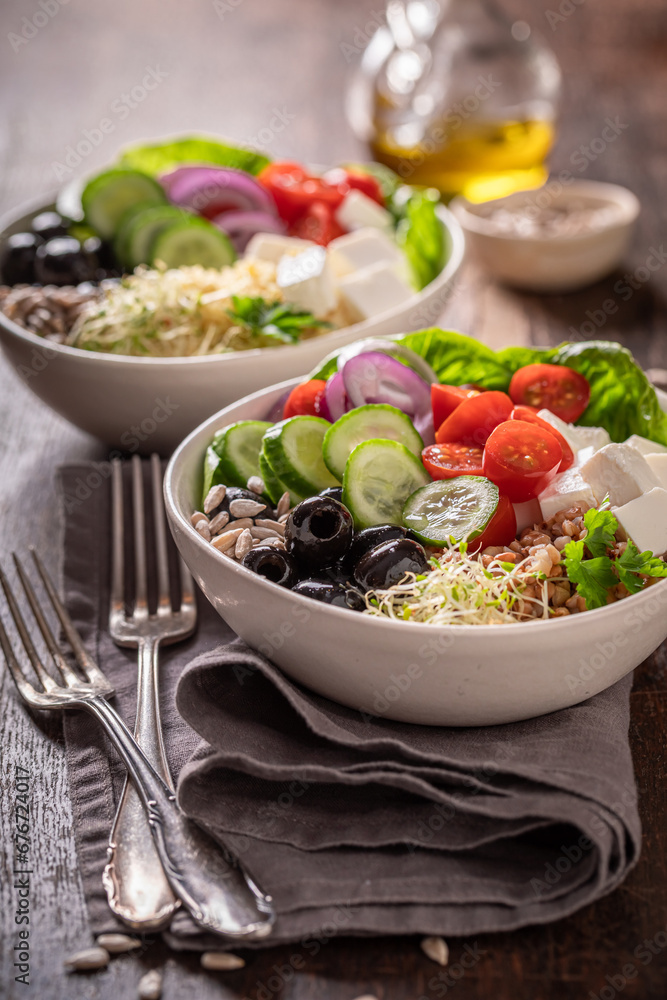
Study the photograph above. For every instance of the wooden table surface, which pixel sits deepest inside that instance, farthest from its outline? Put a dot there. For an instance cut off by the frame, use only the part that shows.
(229, 67)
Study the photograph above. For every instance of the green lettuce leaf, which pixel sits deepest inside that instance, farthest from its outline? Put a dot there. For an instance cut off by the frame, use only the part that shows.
(457, 359)
(160, 157)
(422, 237)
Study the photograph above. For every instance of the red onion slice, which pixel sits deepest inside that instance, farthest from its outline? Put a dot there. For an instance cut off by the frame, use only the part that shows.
(242, 226)
(391, 347)
(335, 397)
(374, 377)
(212, 190)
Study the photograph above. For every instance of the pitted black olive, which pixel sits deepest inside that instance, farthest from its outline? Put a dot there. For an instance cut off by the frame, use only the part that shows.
(330, 593)
(17, 260)
(318, 532)
(64, 261)
(368, 538)
(334, 492)
(273, 564)
(387, 563)
(49, 224)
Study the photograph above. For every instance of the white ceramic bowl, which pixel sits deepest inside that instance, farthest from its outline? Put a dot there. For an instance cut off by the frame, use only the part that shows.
(462, 675)
(554, 263)
(150, 404)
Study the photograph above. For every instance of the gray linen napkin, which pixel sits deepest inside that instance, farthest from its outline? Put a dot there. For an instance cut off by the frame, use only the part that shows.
(355, 825)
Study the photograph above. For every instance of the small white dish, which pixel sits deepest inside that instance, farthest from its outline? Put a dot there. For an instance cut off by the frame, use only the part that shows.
(149, 404)
(551, 263)
(464, 675)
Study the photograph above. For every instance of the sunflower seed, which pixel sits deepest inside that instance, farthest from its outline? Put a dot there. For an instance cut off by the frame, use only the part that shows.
(227, 539)
(283, 518)
(197, 516)
(215, 495)
(243, 544)
(204, 530)
(246, 508)
(218, 522)
(256, 484)
(264, 522)
(274, 543)
(283, 504)
(150, 985)
(116, 944)
(221, 960)
(242, 522)
(436, 949)
(89, 958)
(265, 533)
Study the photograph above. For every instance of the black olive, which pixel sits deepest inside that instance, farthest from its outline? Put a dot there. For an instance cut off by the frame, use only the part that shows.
(368, 538)
(335, 492)
(64, 261)
(49, 224)
(318, 532)
(17, 262)
(330, 593)
(388, 563)
(237, 493)
(273, 564)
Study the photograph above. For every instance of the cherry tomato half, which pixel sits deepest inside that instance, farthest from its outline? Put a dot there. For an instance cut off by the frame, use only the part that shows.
(345, 180)
(305, 399)
(501, 529)
(445, 461)
(552, 387)
(318, 223)
(473, 419)
(521, 459)
(445, 399)
(294, 189)
(530, 415)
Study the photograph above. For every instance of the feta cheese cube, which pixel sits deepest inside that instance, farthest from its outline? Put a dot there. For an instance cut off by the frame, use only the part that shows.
(357, 210)
(307, 281)
(644, 520)
(584, 454)
(620, 471)
(373, 290)
(644, 446)
(567, 489)
(577, 437)
(271, 246)
(362, 248)
(658, 463)
(528, 514)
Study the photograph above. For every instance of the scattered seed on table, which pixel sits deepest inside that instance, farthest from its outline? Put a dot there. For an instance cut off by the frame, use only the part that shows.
(243, 544)
(215, 495)
(197, 516)
(246, 508)
(227, 539)
(436, 949)
(264, 522)
(150, 985)
(221, 960)
(218, 522)
(283, 504)
(89, 958)
(116, 944)
(204, 530)
(256, 485)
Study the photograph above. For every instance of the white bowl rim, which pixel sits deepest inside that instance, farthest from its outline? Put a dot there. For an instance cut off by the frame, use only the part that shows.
(330, 340)
(377, 622)
(471, 221)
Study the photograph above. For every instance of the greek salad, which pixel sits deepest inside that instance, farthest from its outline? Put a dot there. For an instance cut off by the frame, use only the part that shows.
(195, 247)
(533, 489)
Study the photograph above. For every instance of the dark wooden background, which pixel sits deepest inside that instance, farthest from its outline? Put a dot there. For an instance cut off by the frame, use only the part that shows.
(226, 70)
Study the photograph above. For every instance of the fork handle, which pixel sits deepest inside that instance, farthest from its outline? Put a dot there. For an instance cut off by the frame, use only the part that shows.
(219, 895)
(136, 885)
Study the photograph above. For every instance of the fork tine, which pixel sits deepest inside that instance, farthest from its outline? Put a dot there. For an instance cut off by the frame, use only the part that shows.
(47, 682)
(26, 690)
(87, 664)
(164, 596)
(140, 584)
(117, 539)
(61, 663)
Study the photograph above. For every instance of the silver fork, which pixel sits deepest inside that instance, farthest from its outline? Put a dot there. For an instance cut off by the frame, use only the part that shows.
(137, 888)
(218, 894)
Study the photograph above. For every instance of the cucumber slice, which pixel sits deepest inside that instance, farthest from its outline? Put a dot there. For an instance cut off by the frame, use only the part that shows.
(272, 485)
(192, 240)
(211, 474)
(293, 448)
(458, 509)
(138, 229)
(107, 197)
(238, 447)
(379, 477)
(377, 420)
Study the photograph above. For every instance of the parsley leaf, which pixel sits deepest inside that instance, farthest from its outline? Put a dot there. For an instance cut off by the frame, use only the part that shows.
(602, 526)
(593, 577)
(279, 320)
(631, 563)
